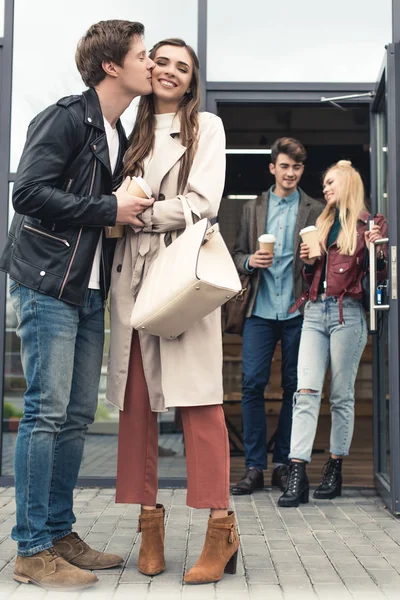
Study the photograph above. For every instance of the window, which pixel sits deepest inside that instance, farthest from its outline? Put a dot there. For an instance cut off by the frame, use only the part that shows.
(297, 41)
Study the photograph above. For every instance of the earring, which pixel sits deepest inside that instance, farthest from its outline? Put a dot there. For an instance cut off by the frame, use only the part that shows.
(188, 91)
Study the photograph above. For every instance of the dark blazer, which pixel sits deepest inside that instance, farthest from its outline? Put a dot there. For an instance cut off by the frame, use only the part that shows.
(62, 199)
(252, 225)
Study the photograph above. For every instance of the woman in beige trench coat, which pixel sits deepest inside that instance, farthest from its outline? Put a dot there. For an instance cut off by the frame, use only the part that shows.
(181, 155)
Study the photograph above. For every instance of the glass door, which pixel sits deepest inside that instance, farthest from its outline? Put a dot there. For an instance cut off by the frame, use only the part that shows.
(385, 194)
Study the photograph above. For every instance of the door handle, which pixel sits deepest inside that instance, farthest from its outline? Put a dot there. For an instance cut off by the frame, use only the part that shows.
(374, 307)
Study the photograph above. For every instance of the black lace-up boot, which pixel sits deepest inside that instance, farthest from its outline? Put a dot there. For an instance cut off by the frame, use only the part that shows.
(331, 484)
(297, 487)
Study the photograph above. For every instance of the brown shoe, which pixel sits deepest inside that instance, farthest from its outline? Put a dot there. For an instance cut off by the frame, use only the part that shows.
(219, 552)
(151, 555)
(78, 553)
(252, 480)
(50, 571)
(279, 477)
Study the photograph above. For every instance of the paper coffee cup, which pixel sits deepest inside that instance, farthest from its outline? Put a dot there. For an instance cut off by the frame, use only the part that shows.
(267, 242)
(137, 187)
(309, 235)
(117, 231)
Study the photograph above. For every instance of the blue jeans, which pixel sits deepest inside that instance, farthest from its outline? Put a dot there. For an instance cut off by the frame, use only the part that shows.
(260, 337)
(324, 341)
(61, 351)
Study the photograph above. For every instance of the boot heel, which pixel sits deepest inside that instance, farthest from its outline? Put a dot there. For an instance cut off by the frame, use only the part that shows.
(339, 490)
(305, 496)
(230, 568)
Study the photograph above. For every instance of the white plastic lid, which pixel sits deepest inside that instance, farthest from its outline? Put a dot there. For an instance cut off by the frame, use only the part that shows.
(309, 228)
(267, 238)
(142, 184)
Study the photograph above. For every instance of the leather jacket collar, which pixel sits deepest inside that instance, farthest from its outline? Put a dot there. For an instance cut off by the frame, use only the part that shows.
(93, 117)
(93, 113)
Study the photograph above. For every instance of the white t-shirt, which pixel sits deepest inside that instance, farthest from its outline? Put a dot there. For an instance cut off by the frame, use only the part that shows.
(113, 149)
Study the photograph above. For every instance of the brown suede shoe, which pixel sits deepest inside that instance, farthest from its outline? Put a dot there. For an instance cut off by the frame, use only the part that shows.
(219, 553)
(78, 553)
(50, 571)
(151, 555)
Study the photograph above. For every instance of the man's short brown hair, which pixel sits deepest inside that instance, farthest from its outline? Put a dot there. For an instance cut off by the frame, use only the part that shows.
(287, 145)
(105, 41)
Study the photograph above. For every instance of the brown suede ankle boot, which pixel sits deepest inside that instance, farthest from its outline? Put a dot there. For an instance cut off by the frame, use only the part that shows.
(219, 553)
(151, 556)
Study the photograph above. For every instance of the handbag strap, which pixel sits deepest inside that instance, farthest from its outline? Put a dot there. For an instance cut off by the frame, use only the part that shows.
(187, 211)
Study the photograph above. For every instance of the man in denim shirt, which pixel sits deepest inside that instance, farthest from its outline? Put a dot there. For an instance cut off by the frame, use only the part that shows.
(277, 281)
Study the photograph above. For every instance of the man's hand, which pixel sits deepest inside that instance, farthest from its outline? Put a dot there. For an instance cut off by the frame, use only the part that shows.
(304, 252)
(261, 259)
(129, 207)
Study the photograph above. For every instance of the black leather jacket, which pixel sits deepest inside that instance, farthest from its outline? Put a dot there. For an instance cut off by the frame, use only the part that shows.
(63, 199)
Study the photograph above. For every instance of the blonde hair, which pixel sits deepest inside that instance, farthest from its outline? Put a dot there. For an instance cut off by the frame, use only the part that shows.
(351, 204)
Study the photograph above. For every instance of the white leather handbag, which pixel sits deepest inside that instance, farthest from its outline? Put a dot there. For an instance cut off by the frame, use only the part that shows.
(189, 279)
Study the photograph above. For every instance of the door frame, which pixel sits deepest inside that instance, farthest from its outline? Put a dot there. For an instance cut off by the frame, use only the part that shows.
(6, 53)
(286, 93)
(387, 90)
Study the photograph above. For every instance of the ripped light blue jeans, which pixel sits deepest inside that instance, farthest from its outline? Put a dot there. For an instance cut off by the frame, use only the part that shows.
(324, 341)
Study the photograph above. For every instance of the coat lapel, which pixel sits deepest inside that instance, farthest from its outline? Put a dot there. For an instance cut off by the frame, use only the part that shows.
(261, 214)
(94, 118)
(167, 156)
(302, 217)
(100, 148)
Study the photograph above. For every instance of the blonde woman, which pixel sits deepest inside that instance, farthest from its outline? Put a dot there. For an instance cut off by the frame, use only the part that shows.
(334, 330)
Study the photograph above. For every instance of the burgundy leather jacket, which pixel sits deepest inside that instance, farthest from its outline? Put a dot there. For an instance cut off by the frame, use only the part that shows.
(343, 272)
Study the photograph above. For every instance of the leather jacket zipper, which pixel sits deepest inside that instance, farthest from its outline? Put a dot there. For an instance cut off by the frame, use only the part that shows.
(105, 303)
(79, 238)
(326, 266)
(53, 237)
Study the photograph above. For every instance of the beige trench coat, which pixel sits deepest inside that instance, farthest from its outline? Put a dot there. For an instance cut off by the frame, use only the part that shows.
(186, 371)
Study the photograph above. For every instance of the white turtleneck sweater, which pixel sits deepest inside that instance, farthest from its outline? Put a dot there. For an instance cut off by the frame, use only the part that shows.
(161, 131)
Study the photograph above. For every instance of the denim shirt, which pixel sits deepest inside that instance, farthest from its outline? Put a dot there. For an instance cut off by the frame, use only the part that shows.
(275, 295)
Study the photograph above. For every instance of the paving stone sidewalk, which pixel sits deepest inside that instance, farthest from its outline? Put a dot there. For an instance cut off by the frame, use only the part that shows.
(348, 548)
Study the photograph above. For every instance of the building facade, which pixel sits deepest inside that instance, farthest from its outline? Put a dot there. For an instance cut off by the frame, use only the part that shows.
(330, 79)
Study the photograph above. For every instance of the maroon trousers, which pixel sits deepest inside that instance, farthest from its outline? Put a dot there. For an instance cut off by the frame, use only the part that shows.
(206, 445)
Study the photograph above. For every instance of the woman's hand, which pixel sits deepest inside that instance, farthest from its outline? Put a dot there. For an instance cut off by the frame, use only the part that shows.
(261, 259)
(304, 252)
(372, 235)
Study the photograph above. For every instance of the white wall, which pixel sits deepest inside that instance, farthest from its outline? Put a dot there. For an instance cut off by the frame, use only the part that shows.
(45, 36)
(294, 41)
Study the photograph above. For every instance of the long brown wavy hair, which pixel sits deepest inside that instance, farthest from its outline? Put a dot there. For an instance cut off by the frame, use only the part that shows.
(141, 140)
